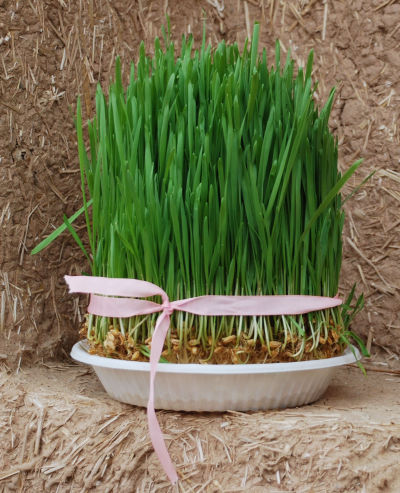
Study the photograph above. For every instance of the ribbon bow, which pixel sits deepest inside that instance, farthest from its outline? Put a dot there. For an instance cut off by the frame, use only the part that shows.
(104, 302)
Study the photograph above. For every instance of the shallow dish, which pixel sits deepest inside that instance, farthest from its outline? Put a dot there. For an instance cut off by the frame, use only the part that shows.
(197, 387)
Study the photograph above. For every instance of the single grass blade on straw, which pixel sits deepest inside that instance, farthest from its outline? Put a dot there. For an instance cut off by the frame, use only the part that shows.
(57, 232)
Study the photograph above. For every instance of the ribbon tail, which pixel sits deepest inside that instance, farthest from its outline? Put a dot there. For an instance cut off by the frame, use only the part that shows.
(160, 448)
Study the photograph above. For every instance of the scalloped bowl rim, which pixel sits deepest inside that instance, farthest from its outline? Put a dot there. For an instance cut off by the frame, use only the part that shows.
(80, 353)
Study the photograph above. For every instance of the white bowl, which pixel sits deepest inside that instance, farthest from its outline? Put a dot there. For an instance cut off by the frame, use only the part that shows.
(200, 387)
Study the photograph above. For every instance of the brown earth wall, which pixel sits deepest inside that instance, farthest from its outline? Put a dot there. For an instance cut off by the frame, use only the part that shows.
(51, 51)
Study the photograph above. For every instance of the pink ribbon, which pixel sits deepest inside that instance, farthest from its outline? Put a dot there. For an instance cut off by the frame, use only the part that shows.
(103, 302)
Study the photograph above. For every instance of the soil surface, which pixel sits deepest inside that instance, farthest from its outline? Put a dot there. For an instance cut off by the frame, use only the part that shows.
(60, 432)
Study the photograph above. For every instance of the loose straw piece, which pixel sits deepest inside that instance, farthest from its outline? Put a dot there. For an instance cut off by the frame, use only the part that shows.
(325, 20)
